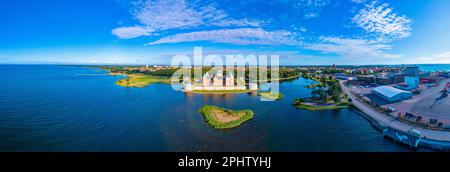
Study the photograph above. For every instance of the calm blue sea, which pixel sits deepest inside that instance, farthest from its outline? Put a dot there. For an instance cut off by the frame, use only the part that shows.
(434, 67)
(51, 108)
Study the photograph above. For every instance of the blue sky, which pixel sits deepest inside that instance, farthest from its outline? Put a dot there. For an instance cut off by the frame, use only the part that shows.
(302, 32)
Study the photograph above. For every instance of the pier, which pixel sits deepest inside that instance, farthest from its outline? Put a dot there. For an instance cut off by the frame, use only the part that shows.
(408, 139)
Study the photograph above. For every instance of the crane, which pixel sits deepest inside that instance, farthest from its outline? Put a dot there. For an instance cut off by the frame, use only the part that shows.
(445, 90)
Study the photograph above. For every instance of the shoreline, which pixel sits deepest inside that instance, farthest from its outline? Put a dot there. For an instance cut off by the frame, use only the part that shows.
(218, 92)
(432, 139)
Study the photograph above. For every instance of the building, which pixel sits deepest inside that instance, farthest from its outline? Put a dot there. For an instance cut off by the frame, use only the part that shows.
(397, 78)
(229, 80)
(218, 79)
(424, 74)
(412, 82)
(392, 94)
(218, 82)
(206, 80)
(342, 76)
(253, 86)
(187, 84)
(412, 71)
(368, 79)
(430, 80)
(383, 80)
(444, 74)
(346, 78)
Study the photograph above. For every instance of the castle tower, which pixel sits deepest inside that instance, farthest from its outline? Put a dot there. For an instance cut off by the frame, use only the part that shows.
(187, 84)
(206, 80)
(229, 81)
(218, 79)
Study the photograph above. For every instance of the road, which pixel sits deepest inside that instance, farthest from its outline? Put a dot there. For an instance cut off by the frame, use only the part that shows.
(387, 121)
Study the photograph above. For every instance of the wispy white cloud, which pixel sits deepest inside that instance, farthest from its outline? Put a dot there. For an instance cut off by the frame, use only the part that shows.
(160, 15)
(241, 36)
(353, 48)
(311, 8)
(382, 22)
(359, 1)
(131, 32)
(437, 58)
(199, 21)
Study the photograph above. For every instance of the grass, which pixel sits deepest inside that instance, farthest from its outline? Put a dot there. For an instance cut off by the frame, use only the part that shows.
(271, 96)
(342, 105)
(220, 91)
(212, 114)
(141, 80)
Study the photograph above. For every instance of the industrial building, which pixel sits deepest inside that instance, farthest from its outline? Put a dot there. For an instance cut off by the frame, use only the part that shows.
(342, 76)
(412, 71)
(412, 82)
(392, 94)
(368, 79)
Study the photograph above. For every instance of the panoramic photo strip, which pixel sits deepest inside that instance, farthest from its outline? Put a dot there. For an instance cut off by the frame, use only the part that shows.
(214, 84)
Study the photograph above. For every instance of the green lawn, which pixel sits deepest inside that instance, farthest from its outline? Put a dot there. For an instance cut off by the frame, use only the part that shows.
(342, 105)
(220, 91)
(141, 80)
(271, 96)
(212, 115)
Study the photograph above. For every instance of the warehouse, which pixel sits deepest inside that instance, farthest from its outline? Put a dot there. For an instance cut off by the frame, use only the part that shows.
(392, 94)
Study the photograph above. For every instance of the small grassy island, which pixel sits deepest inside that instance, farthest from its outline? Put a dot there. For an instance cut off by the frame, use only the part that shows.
(221, 118)
(271, 96)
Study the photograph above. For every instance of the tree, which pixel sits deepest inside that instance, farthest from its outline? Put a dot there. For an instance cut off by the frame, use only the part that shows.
(336, 98)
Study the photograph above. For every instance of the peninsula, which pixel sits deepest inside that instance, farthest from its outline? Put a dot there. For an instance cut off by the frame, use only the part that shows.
(326, 94)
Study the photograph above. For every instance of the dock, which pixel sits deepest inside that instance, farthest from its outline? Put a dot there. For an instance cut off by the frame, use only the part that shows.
(405, 138)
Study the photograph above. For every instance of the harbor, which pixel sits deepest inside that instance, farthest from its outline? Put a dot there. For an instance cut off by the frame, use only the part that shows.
(399, 131)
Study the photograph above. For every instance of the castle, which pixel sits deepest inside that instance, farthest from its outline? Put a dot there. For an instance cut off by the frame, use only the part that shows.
(218, 82)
